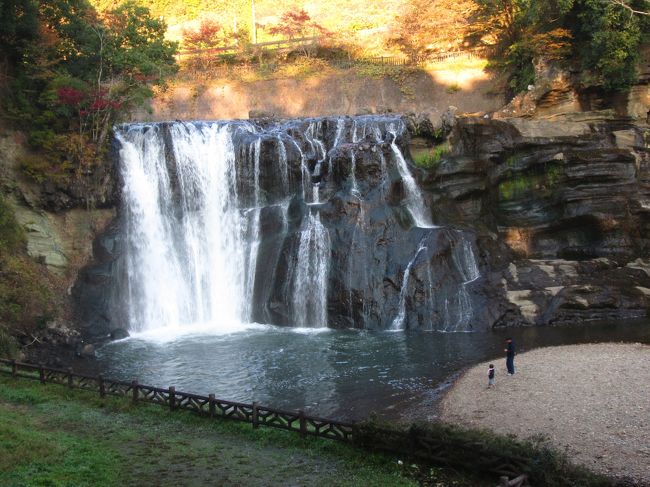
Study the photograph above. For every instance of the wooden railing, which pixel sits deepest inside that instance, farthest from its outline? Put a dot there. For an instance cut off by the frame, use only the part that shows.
(419, 444)
(207, 406)
(266, 46)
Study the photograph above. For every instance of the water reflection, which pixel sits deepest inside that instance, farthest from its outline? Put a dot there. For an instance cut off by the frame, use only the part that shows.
(342, 374)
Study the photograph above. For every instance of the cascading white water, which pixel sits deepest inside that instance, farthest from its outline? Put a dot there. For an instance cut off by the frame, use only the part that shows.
(414, 200)
(253, 231)
(398, 322)
(201, 198)
(185, 264)
(465, 260)
(311, 274)
(284, 164)
(353, 176)
(465, 263)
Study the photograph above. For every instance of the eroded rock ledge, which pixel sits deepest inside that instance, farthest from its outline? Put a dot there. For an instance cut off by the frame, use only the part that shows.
(562, 209)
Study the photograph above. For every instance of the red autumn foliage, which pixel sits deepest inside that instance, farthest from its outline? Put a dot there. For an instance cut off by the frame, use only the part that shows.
(68, 95)
(296, 23)
(207, 35)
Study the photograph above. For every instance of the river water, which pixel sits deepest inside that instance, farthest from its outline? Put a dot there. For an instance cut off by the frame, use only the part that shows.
(332, 373)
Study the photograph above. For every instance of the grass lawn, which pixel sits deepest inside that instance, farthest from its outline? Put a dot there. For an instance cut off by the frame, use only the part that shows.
(53, 436)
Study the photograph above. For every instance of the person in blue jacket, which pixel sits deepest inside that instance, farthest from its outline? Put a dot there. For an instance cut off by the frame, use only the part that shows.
(510, 356)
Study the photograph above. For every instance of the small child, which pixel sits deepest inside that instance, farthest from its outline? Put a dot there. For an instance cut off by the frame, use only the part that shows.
(491, 375)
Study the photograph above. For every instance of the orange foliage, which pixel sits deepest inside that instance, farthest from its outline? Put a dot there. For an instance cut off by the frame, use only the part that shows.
(430, 26)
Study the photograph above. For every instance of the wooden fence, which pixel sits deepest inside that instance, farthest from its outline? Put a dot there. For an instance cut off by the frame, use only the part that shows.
(213, 59)
(417, 443)
(266, 46)
(207, 406)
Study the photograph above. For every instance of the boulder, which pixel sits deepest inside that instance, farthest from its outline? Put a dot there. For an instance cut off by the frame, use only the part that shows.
(119, 334)
(87, 351)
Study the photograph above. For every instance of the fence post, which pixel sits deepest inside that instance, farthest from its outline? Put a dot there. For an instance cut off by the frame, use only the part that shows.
(212, 405)
(134, 388)
(303, 423)
(255, 416)
(172, 398)
(102, 387)
(14, 371)
(70, 385)
(41, 373)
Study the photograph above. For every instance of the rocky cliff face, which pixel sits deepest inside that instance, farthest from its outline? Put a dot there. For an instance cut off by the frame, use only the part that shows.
(567, 200)
(557, 212)
(325, 226)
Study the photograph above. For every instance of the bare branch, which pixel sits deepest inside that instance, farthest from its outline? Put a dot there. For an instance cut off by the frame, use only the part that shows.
(627, 6)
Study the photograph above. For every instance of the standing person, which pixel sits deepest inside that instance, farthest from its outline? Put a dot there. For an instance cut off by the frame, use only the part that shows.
(491, 375)
(510, 356)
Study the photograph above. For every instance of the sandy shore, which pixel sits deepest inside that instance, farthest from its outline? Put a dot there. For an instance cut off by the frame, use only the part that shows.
(593, 401)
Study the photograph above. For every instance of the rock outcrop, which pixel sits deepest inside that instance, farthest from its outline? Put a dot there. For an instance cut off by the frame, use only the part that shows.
(569, 200)
(557, 211)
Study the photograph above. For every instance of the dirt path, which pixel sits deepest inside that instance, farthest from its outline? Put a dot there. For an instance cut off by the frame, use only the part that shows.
(593, 401)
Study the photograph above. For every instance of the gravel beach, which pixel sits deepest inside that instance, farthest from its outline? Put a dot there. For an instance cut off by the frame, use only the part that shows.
(592, 401)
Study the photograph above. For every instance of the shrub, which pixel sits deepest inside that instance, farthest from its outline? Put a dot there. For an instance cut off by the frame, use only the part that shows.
(432, 158)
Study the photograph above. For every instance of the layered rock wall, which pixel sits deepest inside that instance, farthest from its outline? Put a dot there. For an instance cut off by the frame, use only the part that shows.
(567, 198)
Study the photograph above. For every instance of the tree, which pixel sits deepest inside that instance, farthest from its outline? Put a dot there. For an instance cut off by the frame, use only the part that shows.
(80, 73)
(18, 27)
(601, 37)
(208, 35)
(432, 26)
(295, 24)
(607, 39)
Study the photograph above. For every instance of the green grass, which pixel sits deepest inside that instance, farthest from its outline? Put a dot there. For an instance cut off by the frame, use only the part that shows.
(52, 436)
(431, 159)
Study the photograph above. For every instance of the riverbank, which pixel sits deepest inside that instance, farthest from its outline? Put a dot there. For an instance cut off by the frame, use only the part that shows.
(588, 400)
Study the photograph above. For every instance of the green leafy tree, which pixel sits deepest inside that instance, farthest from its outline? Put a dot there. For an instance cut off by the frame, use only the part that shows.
(607, 39)
(601, 36)
(82, 72)
(18, 27)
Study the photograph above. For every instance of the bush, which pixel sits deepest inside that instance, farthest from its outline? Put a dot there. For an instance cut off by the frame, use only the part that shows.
(431, 159)
(478, 451)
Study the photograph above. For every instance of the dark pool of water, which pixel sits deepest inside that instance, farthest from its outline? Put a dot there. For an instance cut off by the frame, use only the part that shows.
(338, 374)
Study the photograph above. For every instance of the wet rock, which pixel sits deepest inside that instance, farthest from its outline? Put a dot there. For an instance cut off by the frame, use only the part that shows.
(87, 351)
(556, 213)
(254, 114)
(119, 334)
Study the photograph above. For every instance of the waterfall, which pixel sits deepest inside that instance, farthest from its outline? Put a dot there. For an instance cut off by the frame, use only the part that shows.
(398, 322)
(310, 285)
(252, 232)
(284, 164)
(223, 225)
(353, 176)
(414, 200)
(465, 263)
(184, 263)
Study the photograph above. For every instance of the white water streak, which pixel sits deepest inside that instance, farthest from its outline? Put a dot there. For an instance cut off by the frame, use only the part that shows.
(414, 200)
(398, 322)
